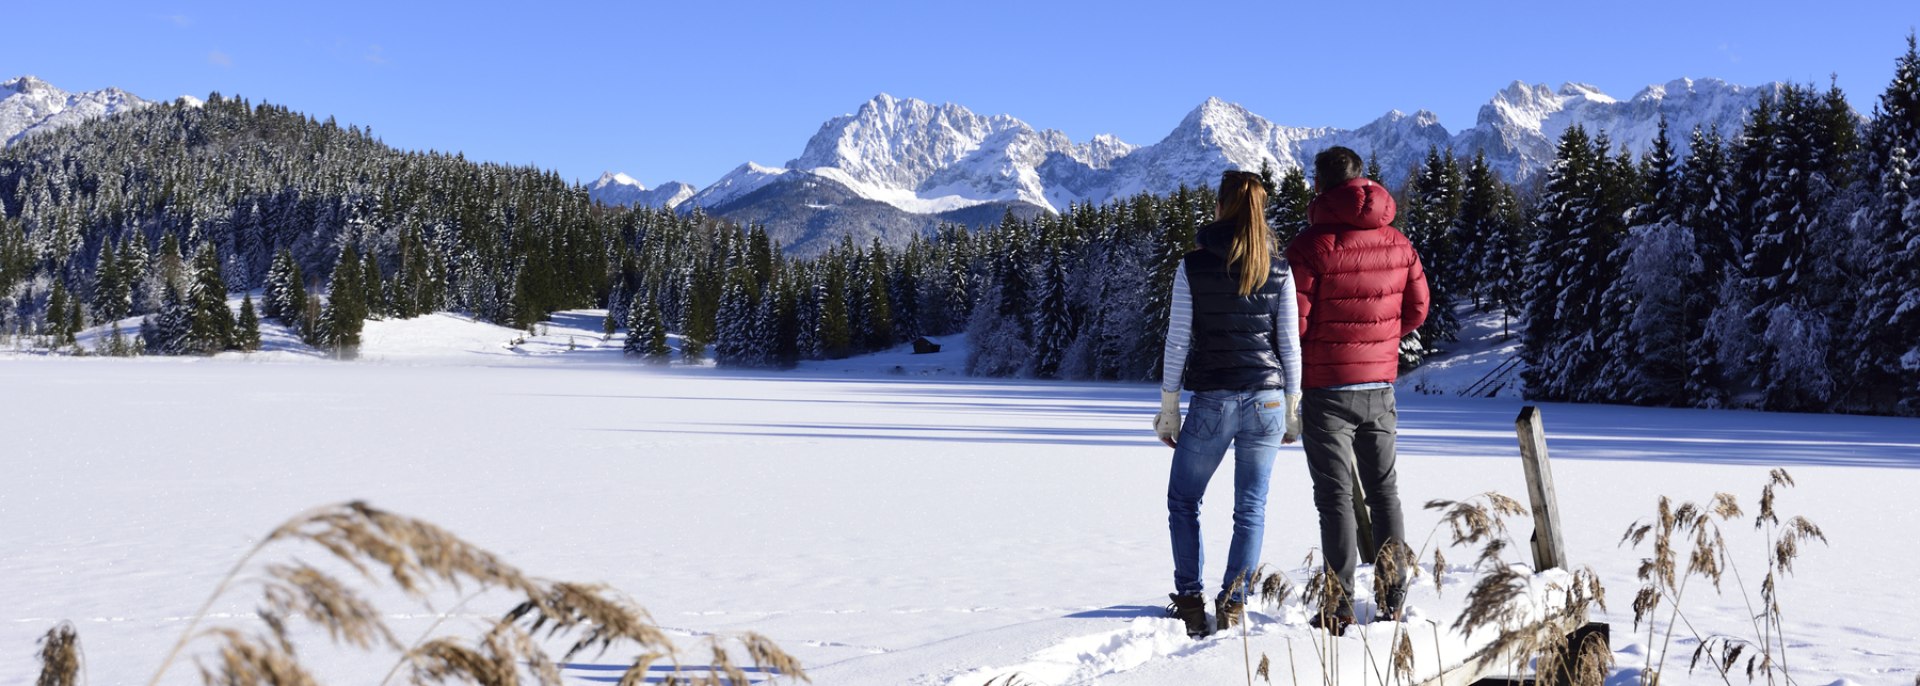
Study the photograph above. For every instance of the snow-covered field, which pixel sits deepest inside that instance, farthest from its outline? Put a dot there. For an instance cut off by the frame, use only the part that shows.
(888, 521)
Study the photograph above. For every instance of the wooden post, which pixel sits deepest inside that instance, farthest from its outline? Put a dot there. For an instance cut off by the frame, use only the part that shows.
(1549, 551)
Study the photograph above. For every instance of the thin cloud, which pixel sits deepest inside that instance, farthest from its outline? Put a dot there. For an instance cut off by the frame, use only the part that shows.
(219, 59)
(1728, 51)
(179, 20)
(375, 54)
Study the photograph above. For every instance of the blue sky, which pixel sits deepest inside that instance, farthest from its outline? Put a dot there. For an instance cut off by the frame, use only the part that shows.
(688, 90)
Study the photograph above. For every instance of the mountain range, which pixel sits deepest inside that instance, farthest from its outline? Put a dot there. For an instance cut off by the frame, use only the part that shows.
(897, 167)
(29, 105)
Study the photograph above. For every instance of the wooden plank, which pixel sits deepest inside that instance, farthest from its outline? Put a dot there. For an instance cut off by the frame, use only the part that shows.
(1549, 550)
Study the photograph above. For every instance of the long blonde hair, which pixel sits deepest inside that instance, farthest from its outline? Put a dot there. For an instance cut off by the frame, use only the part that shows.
(1243, 204)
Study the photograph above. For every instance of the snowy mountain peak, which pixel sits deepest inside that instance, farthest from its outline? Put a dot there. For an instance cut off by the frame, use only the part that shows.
(1590, 92)
(25, 84)
(29, 105)
(614, 188)
(744, 179)
(616, 178)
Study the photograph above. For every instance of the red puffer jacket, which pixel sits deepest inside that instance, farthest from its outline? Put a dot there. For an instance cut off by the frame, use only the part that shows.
(1360, 284)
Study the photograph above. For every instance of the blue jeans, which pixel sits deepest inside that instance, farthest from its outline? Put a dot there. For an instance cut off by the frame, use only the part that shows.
(1252, 422)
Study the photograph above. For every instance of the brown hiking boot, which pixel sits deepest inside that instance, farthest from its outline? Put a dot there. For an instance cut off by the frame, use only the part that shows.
(1191, 609)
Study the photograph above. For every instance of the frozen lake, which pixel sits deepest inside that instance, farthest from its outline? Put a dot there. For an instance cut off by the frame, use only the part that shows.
(884, 528)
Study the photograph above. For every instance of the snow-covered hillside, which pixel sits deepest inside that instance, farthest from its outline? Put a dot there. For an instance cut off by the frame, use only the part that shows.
(29, 105)
(884, 520)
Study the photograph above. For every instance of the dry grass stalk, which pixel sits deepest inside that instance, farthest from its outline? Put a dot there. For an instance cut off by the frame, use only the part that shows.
(1265, 665)
(245, 660)
(495, 659)
(303, 591)
(1710, 558)
(59, 657)
(1403, 658)
(420, 558)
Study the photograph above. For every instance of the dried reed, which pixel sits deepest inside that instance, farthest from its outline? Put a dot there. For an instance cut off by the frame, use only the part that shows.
(1710, 558)
(419, 558)
(59, 657)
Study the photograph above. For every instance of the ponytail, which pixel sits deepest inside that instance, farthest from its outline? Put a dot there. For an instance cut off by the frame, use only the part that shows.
(1243, 204)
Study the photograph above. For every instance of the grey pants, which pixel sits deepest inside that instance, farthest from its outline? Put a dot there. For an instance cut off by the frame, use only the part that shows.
(1358, 426)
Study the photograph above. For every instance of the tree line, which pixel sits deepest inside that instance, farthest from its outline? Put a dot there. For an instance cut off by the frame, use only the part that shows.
(1774, 266)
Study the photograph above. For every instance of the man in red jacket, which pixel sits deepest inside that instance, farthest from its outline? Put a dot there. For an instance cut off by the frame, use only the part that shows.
(1361, 289)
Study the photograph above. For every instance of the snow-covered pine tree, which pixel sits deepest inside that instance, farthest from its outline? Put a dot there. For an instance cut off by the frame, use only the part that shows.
(246, 331)
(342, 318)
(272, 290)
(763, 344)
(1803, 153)
(1287, 207)
(903, 293)
(166, 331)
(374, 284)
(112, 287)
(1052, 322)
(646, 331)
(834, 338)
(879, 304)
(133, 267)
(1434, 197)
(1646, 359)
(734, 325)
(1476, 231)
(1564, 205)
(1886, 327)
(58, 327)
(211, 330)
(1707, 208)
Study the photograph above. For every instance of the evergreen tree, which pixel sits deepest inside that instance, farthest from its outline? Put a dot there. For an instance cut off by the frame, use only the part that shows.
(1287, 206)
(247, 331)
(734, 326)
(167, 331)
(1707, 209)
(341, 320)
(647, 331)
(1052, 325)
(211, 327)
(1477, 230)
(879, 305)
(1886, 327)
(58, 328)
(113, 287)
(1435, 196)
(1552, 261)
(376, 292)
(1804, 155)
(834, 338)
(1647, 360)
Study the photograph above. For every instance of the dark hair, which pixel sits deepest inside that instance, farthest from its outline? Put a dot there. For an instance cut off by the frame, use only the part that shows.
(1336, 165)
(1243, 203)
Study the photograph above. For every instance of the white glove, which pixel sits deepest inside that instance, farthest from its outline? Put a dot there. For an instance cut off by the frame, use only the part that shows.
(1167, 423)
(1293, 418)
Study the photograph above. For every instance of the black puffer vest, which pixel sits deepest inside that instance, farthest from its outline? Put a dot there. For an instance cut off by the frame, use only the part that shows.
(1233, 347)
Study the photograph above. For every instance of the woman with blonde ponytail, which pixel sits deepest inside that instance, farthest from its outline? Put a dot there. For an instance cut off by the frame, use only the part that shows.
(1233, 339)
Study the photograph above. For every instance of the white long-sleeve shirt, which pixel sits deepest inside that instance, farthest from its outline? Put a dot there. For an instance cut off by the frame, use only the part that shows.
(1286, 334)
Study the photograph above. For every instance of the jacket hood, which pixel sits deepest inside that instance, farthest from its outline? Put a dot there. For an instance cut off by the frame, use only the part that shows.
(1215, 237)
(1360, 203)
